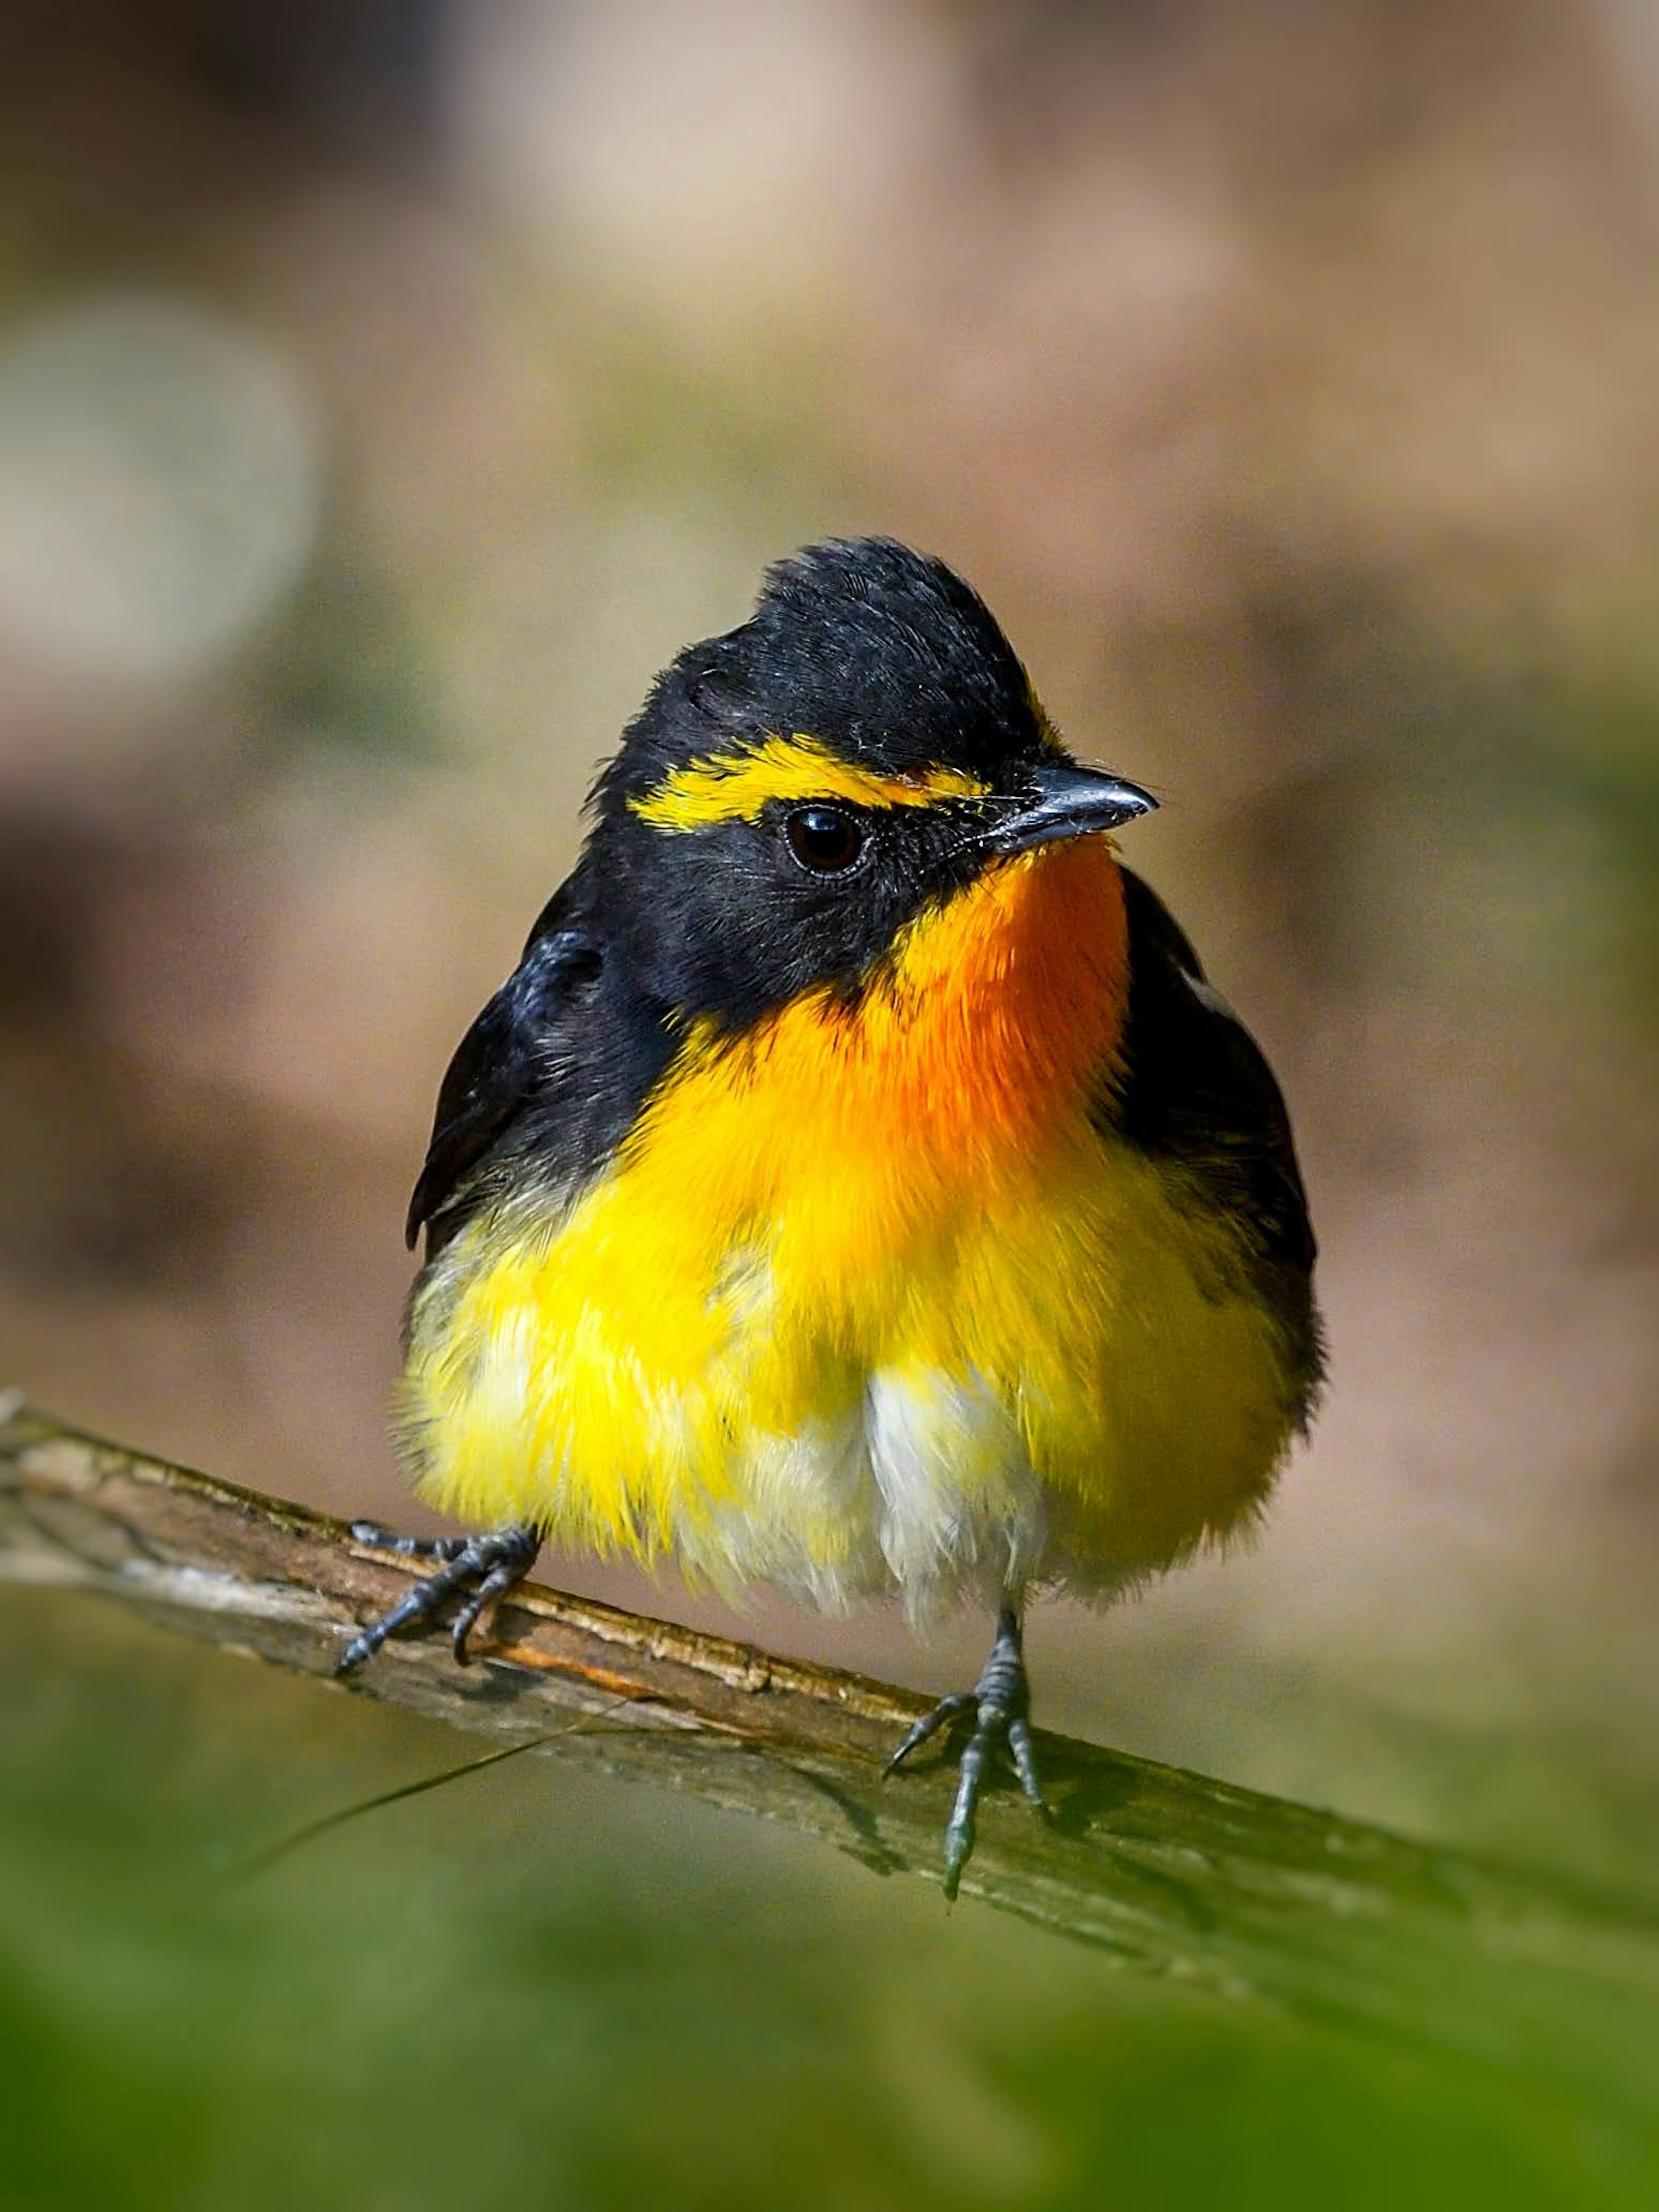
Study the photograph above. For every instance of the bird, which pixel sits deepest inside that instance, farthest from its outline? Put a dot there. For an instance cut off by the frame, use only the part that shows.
(858, 1189)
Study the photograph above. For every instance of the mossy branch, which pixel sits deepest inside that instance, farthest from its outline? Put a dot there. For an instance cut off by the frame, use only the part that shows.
(1263, 1903)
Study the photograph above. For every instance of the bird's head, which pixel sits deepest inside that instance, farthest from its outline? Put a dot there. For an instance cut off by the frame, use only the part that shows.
(801, 798)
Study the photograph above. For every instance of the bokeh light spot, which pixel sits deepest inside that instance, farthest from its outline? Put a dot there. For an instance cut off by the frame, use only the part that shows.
(161, 480)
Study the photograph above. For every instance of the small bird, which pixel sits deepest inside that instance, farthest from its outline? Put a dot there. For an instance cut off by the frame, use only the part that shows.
(857, 1187)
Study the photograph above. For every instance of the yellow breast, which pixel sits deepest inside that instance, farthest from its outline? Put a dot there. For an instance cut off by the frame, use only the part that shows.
(868, 1299)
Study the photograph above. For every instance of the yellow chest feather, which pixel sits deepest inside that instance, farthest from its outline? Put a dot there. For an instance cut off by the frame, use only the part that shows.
(867, 1301)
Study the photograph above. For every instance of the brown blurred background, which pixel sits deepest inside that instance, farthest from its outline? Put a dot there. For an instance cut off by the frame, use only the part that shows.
(387, 389)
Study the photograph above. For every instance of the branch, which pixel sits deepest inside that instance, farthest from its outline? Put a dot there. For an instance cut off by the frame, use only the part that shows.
(1266, 1904)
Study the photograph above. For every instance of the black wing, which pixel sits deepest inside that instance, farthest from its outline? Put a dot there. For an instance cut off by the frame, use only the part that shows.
(1196, 1087)
(503, 1065)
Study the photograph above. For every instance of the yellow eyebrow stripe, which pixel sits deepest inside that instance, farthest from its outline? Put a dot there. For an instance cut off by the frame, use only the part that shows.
(735, 786)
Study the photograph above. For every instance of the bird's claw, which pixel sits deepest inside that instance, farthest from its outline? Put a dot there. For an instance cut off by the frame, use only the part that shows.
(999, 1702)
(475, 1568)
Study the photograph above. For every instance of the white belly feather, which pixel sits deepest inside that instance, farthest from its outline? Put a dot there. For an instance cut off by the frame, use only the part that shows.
(923, 1489)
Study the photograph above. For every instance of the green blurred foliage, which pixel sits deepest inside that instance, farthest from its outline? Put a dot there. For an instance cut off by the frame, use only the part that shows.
(540, 1987)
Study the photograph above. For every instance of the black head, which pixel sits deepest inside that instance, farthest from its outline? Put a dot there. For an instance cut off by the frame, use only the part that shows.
(793, 793)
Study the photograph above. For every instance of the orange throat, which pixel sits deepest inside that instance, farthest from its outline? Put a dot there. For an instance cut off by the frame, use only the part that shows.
(999, 1012)
(1006, 1007)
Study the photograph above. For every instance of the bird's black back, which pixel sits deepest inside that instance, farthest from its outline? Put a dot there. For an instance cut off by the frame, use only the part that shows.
(1193, 1087)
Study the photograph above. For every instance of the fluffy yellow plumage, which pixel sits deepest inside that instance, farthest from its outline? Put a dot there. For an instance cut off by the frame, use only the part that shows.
(857, 1186)
(904, 1210)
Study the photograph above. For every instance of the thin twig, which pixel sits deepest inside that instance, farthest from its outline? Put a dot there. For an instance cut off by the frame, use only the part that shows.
(326, 1823)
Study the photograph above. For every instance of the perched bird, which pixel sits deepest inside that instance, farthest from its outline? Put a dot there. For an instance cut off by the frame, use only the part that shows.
(857, 1186)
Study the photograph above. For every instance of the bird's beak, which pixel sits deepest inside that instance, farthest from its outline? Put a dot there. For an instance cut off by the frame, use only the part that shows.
(1064, 801)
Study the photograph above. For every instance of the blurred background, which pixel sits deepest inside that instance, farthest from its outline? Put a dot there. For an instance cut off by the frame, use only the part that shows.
(387, 389)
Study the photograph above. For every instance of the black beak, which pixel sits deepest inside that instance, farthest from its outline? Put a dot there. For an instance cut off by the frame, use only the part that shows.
(1064, 801)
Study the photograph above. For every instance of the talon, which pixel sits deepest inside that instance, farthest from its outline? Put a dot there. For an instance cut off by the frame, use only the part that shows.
(928, 1725)
(478, 1568)
(999, 1702)
(408, 1547)
(1024, 1759)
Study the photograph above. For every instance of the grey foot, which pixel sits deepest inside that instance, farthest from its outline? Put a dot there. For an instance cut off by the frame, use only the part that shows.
(477, 1568)
(1001, 1703)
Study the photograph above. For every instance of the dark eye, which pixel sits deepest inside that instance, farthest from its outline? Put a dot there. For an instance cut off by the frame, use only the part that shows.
(824, 839)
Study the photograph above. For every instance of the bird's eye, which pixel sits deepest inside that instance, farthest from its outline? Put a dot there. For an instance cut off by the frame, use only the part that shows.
(824, 839)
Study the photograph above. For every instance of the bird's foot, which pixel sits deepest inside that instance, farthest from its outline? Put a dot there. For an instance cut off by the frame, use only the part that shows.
(1001, 1703)
(477, 1568)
